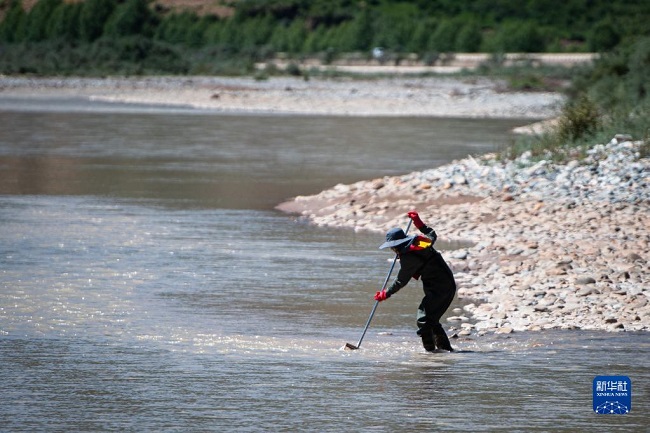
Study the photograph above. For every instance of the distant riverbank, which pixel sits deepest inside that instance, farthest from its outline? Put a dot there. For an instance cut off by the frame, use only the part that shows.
(428, 96)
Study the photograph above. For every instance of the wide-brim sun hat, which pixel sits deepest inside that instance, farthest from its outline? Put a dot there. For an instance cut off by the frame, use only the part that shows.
(395, 237)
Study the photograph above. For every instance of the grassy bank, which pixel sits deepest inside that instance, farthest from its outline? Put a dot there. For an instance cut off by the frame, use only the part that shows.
(612, 97)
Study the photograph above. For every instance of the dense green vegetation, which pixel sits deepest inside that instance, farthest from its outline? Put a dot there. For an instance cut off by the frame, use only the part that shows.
(609, 98)
(135, 36)
(98, 37)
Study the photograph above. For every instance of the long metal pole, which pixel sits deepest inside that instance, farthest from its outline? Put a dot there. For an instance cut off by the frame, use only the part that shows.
(374, 308)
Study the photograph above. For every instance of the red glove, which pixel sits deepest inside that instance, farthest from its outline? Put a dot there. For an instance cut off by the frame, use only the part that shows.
(381, 296)
(416, 219)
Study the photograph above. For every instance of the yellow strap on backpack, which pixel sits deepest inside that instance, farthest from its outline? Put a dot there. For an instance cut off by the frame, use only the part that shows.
(421, 243)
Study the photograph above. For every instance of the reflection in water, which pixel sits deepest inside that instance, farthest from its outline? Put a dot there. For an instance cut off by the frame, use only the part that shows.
(231, 162)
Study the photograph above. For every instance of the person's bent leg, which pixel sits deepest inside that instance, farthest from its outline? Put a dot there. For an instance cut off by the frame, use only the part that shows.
(425, 331)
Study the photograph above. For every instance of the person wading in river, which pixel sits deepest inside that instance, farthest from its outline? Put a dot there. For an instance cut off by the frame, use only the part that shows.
(418, 259)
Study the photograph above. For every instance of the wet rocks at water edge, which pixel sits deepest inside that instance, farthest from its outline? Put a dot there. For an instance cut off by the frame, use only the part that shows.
(554, 245)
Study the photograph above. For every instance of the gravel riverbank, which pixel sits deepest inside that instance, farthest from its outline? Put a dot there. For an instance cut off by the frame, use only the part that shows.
(555, 245)
(430, 96)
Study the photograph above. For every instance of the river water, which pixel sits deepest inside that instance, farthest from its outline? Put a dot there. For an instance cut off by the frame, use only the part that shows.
(148, 284)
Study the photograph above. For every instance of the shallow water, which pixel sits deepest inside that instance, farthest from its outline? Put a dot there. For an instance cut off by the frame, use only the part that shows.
(148, 285)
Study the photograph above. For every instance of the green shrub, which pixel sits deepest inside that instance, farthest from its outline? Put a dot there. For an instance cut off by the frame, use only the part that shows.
(293, 69)
(37, 20)
(520, 37)
(526, 81)
(195, 35)
(174, 27)
(64, 22)
(132, 17)
(638, 77)
(288, 39)
(469, 38)
(12, 28)
(135, 55)
(578, 120)
(363, 31)
(219, 61)
(93, 17)
(129, 55)
(443, 39)
(603, 37)
(618, 79)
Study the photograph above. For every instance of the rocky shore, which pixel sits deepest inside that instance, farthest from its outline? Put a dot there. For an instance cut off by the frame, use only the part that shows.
(554, 245)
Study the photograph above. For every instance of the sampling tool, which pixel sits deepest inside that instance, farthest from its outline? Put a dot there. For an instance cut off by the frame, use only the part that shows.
(374, 308)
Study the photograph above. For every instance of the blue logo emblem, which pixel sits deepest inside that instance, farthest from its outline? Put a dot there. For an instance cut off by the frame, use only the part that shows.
(612, 395)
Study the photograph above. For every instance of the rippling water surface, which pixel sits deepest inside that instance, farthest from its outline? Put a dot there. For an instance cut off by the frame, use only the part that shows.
(147, 284)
